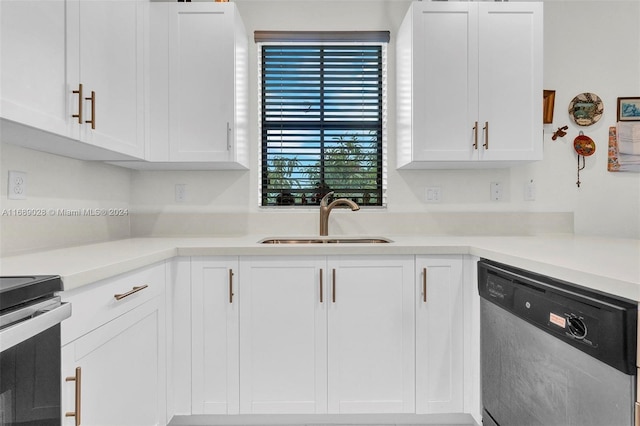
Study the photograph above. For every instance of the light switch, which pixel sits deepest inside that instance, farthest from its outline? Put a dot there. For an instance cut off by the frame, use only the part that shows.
(433, 194)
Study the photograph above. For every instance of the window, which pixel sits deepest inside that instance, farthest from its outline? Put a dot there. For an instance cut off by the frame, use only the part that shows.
(322, 122)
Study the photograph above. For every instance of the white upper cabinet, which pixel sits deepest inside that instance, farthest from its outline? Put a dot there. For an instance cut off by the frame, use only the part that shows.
(49, 49)
(108, 37)
(198, 108)
(33, 56)
(469, 84)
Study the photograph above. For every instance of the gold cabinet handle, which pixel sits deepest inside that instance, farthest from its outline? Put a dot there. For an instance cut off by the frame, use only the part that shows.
(130, 292)
(475, 136)
(424, 285)
(333, 289)
(93, 109)
(80, 99)
(486, 135)
(78, 392)
(321, 290)
(230, 285)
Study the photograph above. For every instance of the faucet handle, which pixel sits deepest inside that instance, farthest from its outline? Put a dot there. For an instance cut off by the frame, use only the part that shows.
(325, 199)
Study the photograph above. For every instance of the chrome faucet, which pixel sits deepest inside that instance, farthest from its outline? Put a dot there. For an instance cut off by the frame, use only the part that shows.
(326, 209)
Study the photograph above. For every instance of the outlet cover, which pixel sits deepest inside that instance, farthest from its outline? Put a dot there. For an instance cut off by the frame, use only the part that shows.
(181, 192)
(496, 191)
(17, 189)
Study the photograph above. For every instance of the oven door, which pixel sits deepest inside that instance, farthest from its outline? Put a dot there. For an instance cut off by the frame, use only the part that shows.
(30, 380)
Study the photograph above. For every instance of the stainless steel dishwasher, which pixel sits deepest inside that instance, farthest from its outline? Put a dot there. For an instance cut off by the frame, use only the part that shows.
(554, 353)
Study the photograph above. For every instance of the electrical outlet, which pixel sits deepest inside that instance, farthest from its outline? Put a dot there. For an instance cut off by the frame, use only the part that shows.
(433, 194)
(17, 185)
(496, 191)
(181, 192)
(530, 191)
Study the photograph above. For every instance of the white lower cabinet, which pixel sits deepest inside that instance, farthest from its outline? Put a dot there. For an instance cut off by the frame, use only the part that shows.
(214, 335)
(283, 335)
(371, 334)
(114, 374)
(326, 335)
(439, 335)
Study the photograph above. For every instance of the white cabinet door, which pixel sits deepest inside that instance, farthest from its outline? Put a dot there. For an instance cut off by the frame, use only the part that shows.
(215, 356)
(371, 335)
(34, 88)
(283, 334)
(121, 370)
(106, 55)
(50, 48)
(469, 84)
(445, 92)
(439, 335)
(207, 82)
(510, 80)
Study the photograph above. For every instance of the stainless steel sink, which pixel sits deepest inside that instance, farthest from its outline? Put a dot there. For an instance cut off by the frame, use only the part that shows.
(326, 240)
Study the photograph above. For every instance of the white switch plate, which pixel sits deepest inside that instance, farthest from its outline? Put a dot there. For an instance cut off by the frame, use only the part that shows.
(496, 191)
(181, 192)
(17, 185)
(433, 194)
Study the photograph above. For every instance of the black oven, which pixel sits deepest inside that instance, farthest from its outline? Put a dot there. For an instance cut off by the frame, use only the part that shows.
(30, 382)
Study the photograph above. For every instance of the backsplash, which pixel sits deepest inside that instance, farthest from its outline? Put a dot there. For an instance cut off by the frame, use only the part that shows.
(345, 222)
(65, 202)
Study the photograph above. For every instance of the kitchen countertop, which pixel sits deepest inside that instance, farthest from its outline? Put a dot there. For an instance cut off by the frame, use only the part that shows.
(603, 264)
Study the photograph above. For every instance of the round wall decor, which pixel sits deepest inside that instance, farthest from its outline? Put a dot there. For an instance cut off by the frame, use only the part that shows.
(586, 109)
(584, 145)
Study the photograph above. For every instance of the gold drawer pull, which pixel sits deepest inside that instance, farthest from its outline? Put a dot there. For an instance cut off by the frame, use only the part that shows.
(130, 292)
(92, 98)
(475, 136)
(78, 379)
(80, 99)
(321, 289)
(333, 289)
(424, 285)
(486, 135)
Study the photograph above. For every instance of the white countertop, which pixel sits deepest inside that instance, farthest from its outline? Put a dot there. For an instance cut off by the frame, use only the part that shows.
(607, 265)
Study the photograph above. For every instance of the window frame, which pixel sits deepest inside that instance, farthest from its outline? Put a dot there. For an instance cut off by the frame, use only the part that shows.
(381, 152)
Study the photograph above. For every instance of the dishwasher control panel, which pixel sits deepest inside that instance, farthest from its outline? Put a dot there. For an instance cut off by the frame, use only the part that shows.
(603, 326)
(557, 314)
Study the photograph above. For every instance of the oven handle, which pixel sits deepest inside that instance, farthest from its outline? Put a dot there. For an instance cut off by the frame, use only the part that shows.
(24, 330)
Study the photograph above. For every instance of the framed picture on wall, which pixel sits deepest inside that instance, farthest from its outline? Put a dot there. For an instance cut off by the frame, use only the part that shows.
(549, 97)
(629, 109)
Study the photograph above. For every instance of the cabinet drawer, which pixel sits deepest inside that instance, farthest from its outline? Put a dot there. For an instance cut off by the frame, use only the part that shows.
(98, 303)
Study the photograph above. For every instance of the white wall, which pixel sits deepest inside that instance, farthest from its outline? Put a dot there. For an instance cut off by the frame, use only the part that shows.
(55, 184)
(590, 46)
